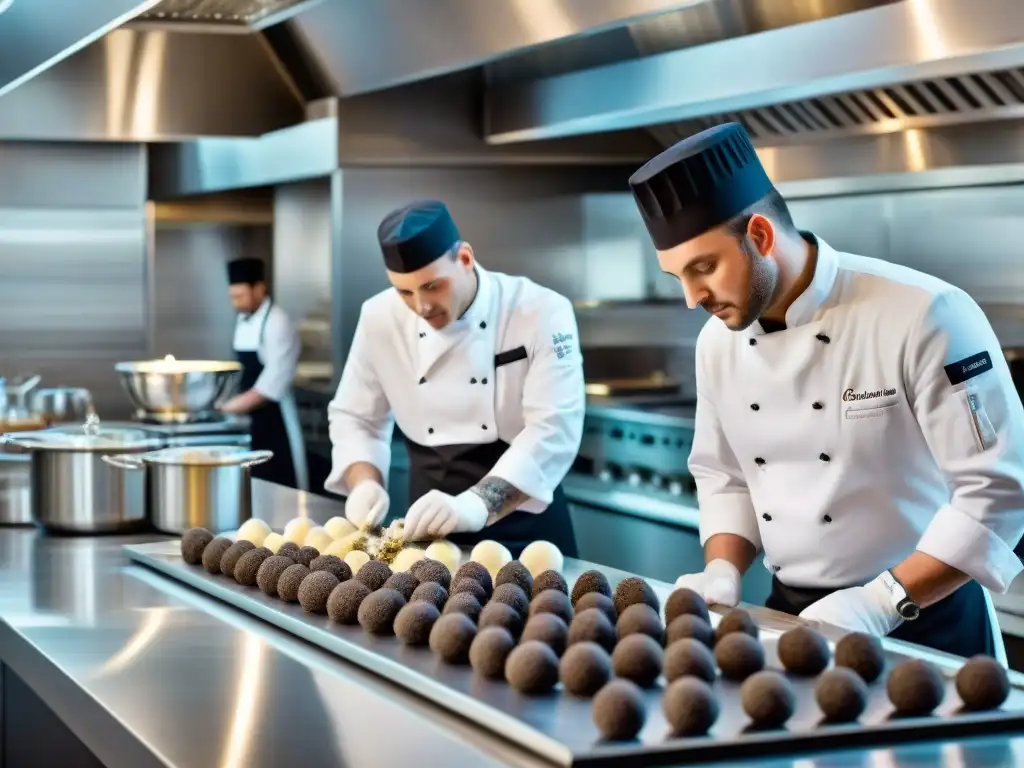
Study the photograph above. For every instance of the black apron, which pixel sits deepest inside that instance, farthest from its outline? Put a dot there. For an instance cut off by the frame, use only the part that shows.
(957, 624)
(267, 428)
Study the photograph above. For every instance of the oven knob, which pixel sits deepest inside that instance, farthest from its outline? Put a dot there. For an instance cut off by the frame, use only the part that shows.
(605, 476)
(656, 481)
(675, 488)
(634, 479)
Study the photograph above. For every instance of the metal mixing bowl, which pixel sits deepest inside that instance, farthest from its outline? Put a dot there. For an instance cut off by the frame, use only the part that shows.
(176, 391)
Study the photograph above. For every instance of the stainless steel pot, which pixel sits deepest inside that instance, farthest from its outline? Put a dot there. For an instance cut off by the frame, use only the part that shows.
(178, 391)
(189, 487)
(15, 489)
(73, 490)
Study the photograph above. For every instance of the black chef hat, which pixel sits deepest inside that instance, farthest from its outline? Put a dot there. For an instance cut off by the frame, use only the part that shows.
(698, 184)
(246, 271)
(416, 235)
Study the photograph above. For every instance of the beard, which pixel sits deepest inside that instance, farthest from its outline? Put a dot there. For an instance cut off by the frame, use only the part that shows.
(764, 283)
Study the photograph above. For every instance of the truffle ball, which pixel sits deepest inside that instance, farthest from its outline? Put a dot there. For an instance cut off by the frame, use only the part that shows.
(982, 684)
(248, 565)
(683, 602)
(690, 706)
(619, 711)
(768, 698)
(446, 553)
(640, 618)
(515, 573)
(274, 541)
(338, 527)
(403, 582)
(546, 580)
(584, 669)
(432, 570)
(318, 539)
(489, 651)
(374, 574)
(344, 546)
(737, 620)
(270, 572)
(512, 595)
(232, 555)
(414, 621)
(540, 556)
(596, 600)
(547, 628)
(477, 572)
(532, 668)
(193, 543)
(405, 559)
(315, 589)
(590, 581)
(472, 587)
(592, 626)
(431, 592)
(633, 590)
(803, 651)
(501, 615)
(739, 656)
(378, 611)
(296, 530)
(356, 559)
(290, 581)
(335, 565)
(491, 555)
(452, 636)
(465, 604)
(862, 653)
(288, 549)
(554, 602)
(689, 658)
(689, 625)
(214, 553)
(343, 604)
(306, 555)
(638, 658)
(254, 530)
(842, 695)
(915, 687)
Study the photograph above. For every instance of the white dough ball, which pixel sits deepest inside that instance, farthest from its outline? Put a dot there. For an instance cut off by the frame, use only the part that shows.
(445, 552)
(297, 529)
(404, 560)
(339, 527)
(254, 530)
(318, 538)
(273, 542)
(542, 556)
(491, 555)
(344, 545)
(356, 559)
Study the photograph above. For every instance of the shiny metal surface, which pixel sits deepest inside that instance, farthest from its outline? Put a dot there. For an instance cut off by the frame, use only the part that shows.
(15, 489)
(245, 12)
(178, 390)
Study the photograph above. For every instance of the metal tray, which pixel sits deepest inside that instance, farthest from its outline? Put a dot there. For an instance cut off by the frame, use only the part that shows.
(559, 728)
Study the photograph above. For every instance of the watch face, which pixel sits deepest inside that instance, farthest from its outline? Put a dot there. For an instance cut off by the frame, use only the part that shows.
(908, 610)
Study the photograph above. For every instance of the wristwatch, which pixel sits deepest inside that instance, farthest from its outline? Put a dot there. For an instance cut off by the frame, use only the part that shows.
(905, 607)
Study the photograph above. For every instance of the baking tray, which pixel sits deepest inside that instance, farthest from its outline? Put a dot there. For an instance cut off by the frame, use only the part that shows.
(559, 728)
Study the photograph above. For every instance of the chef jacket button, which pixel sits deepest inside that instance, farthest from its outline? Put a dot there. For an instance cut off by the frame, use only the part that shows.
(472, 381)
(430, 430)
(422, 334)
(827, 518)
(822, 338)
(817, 406)
(483, 426)
(483, 381)
(423, 380)
(759, 461)
(776, 568)
(753, 342)
(766, 516)
(824, 457)
(755, 407)
(483, 324)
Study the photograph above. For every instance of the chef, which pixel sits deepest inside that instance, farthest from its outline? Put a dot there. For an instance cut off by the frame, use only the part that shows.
(855, 420)
(267, 345)
(483, 375)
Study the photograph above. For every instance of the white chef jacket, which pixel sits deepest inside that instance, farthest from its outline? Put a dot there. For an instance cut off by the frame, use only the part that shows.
(883, 419)
(446, 388)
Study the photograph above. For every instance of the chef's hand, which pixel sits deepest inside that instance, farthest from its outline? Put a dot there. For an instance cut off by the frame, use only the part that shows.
(367, 504)
(436, 514)
(718, 583)
(867, 609)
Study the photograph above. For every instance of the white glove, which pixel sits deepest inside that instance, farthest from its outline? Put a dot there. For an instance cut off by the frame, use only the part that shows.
(367, 504)
(867, 609)
(719, 583)
(436, 514)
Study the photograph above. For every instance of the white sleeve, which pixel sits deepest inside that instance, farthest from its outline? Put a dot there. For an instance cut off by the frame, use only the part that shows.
(359, 417)
(279, 354)
(960, 388)
(554, 404)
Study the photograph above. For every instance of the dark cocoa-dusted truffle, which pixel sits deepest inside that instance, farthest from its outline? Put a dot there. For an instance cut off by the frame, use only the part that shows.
(232, 555)
(248, 565)
(431, 592)
(513, 596)
(514, 572)
(549, 580)
(842, 695)
(463, 603)
(862, 653)
(427, 570)
(452, 637)
(532, 668)
(289, 549)
(982, 684)
(803, 651)
(685, 602)
(768, 698)
(501, 615)
(547, 628)
(584, 669)
(290, 581)
(315, 589)
(473, 570)
(214, 553)
(374, 573)
(193, 542)
(633, 590)
(619, 711)
(343, 604)
(306, 555)
(690, 706)
(689, 657)
(554, 602)
(638, 658)
(270, 571)
(689, 625)
(592, 626)
(489, 650)
(332, 563)
(378, 611)
(738, 656)
(403, 582)
(737, 620)
(915, 687)
(596, 600)
(590, 581)
(470, 587)
(413, 623)
(640, 618)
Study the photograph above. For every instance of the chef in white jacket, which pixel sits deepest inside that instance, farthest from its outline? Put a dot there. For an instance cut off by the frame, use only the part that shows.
(856, 421)
(483, 375)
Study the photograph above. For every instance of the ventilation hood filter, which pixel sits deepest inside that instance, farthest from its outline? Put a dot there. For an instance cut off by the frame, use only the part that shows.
(217, 11)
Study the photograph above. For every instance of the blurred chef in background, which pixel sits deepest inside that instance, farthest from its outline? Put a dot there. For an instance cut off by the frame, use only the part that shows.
(267, 345)
(482, 373)
(856, 419)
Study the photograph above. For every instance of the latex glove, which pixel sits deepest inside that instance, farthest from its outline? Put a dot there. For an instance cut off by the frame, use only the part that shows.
(867, 609)
(436, 515)
(368, 504)
(718, 583)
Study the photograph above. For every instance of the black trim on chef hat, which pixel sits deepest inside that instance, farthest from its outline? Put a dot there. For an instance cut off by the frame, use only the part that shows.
(416, 235)
(698, 184)
(246, 271)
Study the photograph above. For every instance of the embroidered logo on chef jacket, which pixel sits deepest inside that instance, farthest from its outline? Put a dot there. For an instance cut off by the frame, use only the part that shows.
(852, 396)
(968, 368)
(561, 343)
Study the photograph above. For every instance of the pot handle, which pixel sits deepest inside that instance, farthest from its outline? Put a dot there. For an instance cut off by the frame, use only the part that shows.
(252, 458)
(125, 461)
